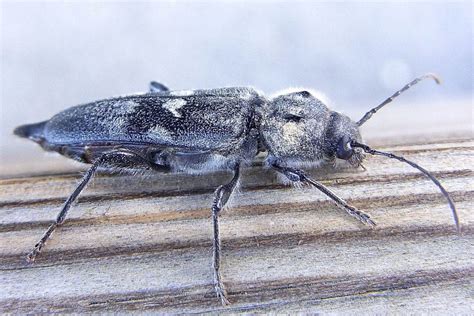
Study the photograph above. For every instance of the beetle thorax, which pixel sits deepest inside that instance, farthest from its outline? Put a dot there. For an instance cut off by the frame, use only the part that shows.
(293, 127)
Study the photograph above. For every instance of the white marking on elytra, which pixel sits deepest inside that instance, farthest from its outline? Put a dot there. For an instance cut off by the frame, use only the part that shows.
(125, 106)
(158, 132)
(174, 105)
(182, 93)
(118, 117)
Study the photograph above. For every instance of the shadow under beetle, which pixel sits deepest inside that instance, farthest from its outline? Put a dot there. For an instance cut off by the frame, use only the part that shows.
(196, 131)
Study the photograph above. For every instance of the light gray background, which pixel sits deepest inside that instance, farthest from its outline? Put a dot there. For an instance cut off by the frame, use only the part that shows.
(56, 54)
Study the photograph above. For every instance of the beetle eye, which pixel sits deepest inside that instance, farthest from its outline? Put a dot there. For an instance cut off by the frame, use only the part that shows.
(344, 149)
(292, 117)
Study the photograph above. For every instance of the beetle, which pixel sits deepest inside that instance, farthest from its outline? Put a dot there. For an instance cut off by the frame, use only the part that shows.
(196, 131)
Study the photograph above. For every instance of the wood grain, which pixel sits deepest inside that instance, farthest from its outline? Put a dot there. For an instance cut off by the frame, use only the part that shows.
(144, 243)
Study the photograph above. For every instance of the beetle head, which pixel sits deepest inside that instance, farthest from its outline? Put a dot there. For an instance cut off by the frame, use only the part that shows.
(341, 132)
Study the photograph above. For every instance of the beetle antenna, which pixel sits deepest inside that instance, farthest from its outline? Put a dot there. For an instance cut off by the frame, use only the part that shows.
(369, 114)
(369, 150)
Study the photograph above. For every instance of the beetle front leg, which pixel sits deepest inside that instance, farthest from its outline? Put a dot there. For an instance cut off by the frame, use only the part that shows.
(221, 197)
(297, 175)
(108, 159)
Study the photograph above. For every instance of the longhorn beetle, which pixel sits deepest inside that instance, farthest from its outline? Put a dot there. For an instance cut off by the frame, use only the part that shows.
(195, 131)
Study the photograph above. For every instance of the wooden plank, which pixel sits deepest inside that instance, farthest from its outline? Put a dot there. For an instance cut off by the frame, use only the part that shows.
(144, 244)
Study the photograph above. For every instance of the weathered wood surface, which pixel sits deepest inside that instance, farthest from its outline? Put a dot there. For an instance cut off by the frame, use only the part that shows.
(144, 244)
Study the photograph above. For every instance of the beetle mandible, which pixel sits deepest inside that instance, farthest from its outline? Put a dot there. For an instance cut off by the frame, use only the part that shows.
(195, 131)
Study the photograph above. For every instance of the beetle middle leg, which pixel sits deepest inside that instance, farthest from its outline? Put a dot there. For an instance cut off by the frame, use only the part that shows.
(111, 158)
(221, 196)
(297, 175)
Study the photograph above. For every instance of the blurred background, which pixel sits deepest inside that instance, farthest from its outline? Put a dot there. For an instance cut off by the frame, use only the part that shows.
(58, 54)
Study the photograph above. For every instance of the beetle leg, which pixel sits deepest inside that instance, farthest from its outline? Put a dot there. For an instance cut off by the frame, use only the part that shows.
(157, 87)
(296, 175)
(221, 197)
(108, 158)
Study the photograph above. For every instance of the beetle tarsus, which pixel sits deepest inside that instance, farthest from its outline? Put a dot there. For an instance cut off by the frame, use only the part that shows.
(31, 257)
(221, 294)
(363, 217)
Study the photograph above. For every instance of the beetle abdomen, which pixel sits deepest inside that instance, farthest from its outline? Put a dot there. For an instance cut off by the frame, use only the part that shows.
(33, 131)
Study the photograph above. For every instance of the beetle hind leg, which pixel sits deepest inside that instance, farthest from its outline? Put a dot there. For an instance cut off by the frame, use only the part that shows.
(124, 156)
(221, 197)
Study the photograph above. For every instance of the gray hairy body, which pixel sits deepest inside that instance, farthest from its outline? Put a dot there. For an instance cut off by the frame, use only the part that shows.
(197, 130)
